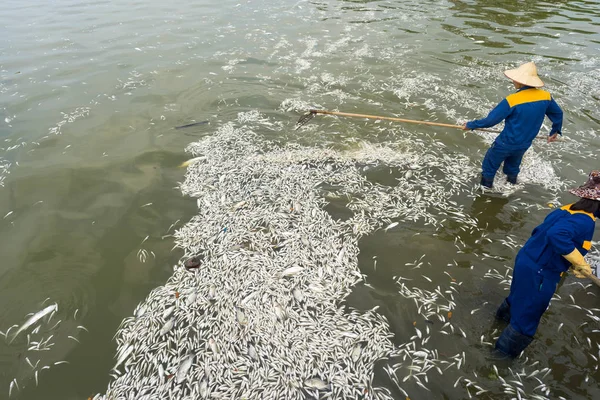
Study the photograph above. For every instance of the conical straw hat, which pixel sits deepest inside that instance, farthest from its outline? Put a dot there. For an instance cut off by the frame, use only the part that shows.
(526, 75)
(590, 189)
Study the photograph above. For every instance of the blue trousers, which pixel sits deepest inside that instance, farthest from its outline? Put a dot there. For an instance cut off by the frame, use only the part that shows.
(499, 153)
(530, 294)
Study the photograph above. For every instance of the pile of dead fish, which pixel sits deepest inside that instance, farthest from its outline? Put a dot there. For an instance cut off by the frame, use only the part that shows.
(262, 316)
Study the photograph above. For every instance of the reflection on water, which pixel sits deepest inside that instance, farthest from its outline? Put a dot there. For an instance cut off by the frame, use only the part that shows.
(90, 93)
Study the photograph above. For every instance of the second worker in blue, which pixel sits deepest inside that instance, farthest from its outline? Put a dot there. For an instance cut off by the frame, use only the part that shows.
(523, 113)
(556, 245)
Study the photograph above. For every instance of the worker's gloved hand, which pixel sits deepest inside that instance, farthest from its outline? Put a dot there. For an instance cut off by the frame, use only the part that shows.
(581, 268)
(582, 271)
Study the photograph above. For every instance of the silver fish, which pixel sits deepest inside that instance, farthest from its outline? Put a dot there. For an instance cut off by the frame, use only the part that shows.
(390, 226)
(168, 312)
(246, 299)
(35, 318)
(298, 295)
(291, 271)
(204, 389)
(161, 373)
(167, 327)
(279, 312)
(241, 317)
(124, 355)
(212, 292)
(184, 367)
(252, 352)
(191, 299)
(213, 345)
(356, 352)
(140, 311)
(316, 383)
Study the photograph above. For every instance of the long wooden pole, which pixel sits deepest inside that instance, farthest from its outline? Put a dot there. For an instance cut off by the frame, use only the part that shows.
(593, 277)
(411, 121)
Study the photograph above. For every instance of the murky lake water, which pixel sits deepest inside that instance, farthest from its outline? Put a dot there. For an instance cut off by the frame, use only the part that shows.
(90, 93)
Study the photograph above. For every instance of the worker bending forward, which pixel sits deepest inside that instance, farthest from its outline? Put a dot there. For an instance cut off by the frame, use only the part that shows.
(558, 243)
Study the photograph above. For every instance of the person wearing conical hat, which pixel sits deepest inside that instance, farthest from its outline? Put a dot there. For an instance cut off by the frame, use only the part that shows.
(556, 245)
(523, 114)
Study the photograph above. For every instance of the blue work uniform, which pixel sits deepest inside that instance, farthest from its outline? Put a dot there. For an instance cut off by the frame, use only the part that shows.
(540, 264)
(523, 113)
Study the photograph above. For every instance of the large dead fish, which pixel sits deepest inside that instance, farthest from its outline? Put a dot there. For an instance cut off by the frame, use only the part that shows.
(35, 318)
(184, 368)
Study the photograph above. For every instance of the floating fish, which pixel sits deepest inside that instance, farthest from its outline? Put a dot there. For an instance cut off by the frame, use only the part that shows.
(184, 367)
(167, 327)
(390, 226)
(128, 350)
(316, 383)
(292, 271)
(356, 352)
(167, 313)
(33, 319)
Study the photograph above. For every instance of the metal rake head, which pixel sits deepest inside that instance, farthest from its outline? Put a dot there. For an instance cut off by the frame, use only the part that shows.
(305, 118)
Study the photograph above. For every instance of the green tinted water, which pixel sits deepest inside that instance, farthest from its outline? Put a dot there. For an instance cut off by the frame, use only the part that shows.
(90, 93)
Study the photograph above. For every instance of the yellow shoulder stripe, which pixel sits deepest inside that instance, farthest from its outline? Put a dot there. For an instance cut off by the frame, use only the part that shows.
(527, 96)
(587, 245)
(568, 208)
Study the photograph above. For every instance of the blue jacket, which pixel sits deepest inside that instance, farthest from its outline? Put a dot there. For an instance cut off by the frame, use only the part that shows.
(524, 113)
(562, 231)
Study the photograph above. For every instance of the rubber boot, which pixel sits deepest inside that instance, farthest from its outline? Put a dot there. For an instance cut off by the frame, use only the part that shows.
(487, 182)
(511, 179)
(511, 342)
(503, 312)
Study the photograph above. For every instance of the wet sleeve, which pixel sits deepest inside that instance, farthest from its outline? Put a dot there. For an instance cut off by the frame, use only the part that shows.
(501, 111)
(555, 113)
(561, 235)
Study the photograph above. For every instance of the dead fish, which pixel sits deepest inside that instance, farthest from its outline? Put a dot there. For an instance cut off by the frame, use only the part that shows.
(390, 226)
(168, 312)
(191, 161)
(212, 293)
(246, 299)
(184, 367)
(241, 317)
(239, 205)
(124, 356)
(161, 373)
(204, 389)
(340, 256)
(252, 353)
(356, 352)
(298, 295)
(191, 299)
(279, 311)
(35, 318)
(167, 327)
(213, 345)
(141, 311)
(12, 383)
(316, 383)
(291, 271)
